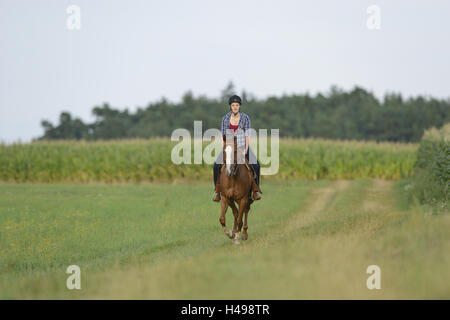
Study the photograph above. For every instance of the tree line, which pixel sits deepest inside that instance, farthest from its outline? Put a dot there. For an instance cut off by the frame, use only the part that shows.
(338, 114)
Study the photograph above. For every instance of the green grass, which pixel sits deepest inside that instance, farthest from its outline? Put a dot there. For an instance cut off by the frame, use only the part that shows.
(307, 239)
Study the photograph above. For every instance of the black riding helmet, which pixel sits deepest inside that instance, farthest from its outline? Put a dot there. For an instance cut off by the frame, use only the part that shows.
(235, 98)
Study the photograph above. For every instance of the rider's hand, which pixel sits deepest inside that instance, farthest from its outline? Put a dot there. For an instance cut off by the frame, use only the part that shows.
(241, 154)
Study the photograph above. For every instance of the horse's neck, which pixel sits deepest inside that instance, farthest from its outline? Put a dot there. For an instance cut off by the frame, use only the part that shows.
(243, 166)
(239, 166)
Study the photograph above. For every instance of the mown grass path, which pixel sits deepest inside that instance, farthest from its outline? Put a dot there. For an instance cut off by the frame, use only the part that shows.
(306, 240)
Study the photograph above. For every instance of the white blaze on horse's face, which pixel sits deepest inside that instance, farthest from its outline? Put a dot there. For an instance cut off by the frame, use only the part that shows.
(228, 151)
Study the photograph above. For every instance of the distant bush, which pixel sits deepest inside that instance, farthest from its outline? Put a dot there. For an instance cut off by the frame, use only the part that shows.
(432, 168)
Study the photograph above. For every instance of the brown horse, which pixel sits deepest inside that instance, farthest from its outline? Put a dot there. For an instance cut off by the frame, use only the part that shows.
(236, 179)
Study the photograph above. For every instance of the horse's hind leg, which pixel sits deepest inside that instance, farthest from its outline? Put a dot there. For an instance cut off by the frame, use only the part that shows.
(244, 233)
(224, 207)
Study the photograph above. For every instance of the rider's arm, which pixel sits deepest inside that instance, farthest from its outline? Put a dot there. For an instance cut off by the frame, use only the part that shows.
(247, 142)
(247, 127)
(223, 131)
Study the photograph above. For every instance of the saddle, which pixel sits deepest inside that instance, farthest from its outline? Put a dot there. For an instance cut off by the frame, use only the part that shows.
(249, 167)
(255, 187)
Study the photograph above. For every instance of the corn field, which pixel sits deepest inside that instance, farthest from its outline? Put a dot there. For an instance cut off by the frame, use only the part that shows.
(150, 160)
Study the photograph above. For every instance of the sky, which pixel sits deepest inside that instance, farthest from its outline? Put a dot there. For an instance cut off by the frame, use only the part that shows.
(132, 53)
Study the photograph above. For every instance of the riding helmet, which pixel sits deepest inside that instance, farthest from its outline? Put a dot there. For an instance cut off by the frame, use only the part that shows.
(234, 98)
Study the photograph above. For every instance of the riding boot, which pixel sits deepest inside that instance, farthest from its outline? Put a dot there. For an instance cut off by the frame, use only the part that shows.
(216, 197)
(255, 190)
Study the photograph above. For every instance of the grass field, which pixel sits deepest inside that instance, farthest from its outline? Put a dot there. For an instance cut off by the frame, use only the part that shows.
(307, 239)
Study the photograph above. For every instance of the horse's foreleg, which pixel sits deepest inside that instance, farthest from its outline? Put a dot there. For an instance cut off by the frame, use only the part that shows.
(244, 233)
(242, 207)
(224, 207)
(236, 215)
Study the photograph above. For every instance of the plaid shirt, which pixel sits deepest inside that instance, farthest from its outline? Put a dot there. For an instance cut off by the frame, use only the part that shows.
(242, 131)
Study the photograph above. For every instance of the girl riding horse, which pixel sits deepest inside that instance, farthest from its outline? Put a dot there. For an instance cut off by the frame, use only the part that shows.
(239, 124)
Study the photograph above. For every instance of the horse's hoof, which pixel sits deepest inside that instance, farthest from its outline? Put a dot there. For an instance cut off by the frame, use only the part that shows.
(229, 233)
(237, 238)
(244, 237)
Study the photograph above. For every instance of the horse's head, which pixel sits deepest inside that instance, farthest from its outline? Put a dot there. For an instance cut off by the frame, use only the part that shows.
(230, 157)
(231, 154)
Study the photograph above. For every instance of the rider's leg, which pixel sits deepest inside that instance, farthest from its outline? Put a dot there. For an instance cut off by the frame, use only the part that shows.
(216, 172)
(256, 167)
(216, 169)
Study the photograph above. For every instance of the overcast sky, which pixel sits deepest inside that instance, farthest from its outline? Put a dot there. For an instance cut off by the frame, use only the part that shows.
(131, 53)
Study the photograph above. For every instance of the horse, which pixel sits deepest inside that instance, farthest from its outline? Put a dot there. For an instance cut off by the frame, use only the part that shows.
(236, 179)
